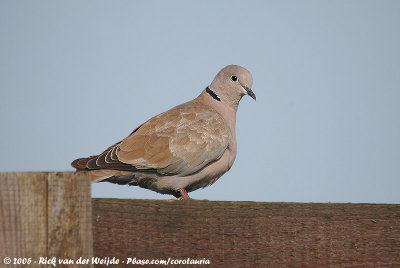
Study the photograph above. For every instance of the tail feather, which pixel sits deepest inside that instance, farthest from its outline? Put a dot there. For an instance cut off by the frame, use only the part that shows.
(81, 163)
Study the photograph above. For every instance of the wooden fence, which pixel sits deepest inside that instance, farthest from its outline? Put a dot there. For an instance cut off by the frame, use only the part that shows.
(49, 214)
(46, 215)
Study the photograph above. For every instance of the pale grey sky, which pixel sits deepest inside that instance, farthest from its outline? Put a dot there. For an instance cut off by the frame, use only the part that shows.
(77, 76)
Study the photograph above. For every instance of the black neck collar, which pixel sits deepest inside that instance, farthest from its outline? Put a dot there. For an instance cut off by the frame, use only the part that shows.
(213, 94)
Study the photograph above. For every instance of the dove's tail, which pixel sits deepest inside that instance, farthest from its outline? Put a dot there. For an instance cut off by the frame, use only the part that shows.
(81, 163)
(97, 175)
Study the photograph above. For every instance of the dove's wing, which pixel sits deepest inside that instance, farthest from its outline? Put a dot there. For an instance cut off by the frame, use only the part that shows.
(181, 141)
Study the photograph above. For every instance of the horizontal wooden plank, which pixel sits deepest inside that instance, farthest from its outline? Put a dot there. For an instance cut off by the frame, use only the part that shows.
(248, 234)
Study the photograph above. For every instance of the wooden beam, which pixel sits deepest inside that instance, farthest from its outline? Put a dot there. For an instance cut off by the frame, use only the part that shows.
(243, 234)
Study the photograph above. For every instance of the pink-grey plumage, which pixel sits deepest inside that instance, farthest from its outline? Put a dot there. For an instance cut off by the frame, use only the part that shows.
(183, 149)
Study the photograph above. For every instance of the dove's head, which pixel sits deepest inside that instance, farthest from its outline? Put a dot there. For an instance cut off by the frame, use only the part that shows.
(232, 83)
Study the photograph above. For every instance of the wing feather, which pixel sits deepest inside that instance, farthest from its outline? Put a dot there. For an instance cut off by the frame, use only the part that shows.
(181, 141)
(177, 142)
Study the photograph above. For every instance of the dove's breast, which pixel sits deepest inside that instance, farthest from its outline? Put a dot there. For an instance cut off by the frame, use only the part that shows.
(207, 176)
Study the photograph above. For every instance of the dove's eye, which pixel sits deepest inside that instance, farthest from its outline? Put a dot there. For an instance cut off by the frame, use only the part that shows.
(234, 78)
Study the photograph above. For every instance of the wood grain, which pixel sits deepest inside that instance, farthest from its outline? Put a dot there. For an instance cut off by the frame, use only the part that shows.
(249, 234)
(50, 215)
(45, 215)
(23, 215)
(69, 216)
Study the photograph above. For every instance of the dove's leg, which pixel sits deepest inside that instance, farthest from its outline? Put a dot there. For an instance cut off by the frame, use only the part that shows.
(184, 195)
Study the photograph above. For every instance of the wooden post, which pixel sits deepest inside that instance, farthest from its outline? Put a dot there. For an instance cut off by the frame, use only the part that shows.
(45, 215)
(23, 215)
(248, 234)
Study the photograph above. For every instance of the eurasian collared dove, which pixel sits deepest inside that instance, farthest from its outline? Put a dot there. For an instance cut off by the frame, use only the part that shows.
(185, 148)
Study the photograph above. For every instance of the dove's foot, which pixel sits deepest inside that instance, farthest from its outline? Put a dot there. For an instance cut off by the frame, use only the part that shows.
(184, 195)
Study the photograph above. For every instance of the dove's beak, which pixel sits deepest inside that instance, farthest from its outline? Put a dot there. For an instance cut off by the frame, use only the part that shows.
(250, 92)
